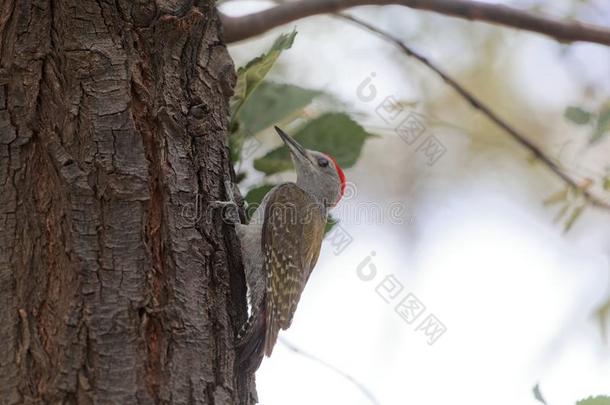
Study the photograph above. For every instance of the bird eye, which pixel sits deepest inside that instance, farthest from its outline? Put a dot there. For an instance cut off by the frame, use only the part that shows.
(322, 162)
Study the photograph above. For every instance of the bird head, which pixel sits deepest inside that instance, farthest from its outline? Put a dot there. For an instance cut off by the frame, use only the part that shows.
(317, 173)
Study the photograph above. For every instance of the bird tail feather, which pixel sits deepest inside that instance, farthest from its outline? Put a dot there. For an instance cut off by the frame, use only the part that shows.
(251, 342)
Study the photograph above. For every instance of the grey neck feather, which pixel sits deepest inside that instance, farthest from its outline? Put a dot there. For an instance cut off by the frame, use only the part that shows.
(310, 187)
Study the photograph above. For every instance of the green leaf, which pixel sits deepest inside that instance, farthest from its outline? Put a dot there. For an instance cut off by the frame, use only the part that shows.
(573, 217)
(606, 183)
(538, 394)
(603, 314)
(577, 115)
(557, 197)
(602, 127)
(251, 75)
(599, 400)
(271, 103)
(240, 176)
(278, 160)
(333, 133)
(561, 213)
(255, 196)
(235, 146)
(330, 223)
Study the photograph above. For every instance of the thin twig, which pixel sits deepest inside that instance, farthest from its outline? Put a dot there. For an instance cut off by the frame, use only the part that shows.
(239, 28)
(343, 374)
(485, 110)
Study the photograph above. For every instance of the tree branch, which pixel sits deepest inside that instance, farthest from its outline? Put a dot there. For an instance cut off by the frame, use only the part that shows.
(487, 111)
(367, 393)
(239, 28)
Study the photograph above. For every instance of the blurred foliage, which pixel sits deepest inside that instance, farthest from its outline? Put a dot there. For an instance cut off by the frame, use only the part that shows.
(606, 183)
(249, 78)
(333, 133)
(599, 121)
(571, 199)
(274, 103)
(599, 400)
(251, 75)
(572, 206)
(258, 104)
(577, 115)
(603, 314)
(538, 394)
(255, 196)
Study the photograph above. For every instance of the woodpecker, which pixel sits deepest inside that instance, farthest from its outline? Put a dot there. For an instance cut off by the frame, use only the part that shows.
(280, 247)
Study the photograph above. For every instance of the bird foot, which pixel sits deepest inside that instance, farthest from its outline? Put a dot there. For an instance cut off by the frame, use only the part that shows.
(229, 209)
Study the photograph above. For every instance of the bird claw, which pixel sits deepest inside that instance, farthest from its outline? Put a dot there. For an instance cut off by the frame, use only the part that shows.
(229, 209)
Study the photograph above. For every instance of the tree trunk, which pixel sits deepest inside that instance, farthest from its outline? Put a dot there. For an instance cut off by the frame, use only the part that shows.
(113, 122)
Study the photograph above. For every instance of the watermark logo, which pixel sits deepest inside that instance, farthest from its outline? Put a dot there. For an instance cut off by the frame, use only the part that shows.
(410, 308)
(432, 149)
(389, 110)
(409, 125)
(432, 328)
(366, 270)
(349, 211)
(366, 91)
(389, 288)
(411, 128)
(339, 239)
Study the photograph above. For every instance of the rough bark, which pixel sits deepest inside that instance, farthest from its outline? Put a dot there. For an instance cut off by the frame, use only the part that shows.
(113, 118)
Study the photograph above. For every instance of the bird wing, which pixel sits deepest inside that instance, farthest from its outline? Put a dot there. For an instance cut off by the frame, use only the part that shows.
(292, 233)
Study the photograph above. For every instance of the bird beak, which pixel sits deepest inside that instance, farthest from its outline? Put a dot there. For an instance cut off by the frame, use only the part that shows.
(297, 150)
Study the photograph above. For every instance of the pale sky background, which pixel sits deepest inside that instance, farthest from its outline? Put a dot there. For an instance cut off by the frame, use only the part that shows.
(475, 243)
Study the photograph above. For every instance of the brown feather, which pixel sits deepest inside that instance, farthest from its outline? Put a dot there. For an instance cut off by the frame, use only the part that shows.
(292, 235)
